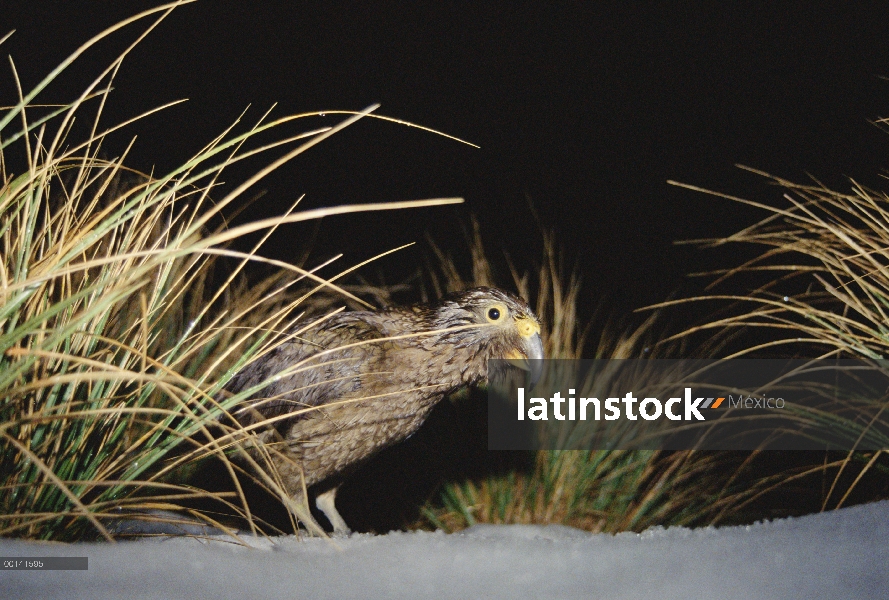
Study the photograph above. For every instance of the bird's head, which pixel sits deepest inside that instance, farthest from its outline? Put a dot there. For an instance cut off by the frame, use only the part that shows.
(492, 324)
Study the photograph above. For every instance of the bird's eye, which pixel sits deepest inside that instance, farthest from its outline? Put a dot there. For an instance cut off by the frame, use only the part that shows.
(493, 314)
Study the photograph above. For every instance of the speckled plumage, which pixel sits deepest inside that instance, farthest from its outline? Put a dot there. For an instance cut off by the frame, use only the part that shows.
(360, 381)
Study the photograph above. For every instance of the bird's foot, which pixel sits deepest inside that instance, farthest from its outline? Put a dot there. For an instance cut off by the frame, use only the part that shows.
(326, 503)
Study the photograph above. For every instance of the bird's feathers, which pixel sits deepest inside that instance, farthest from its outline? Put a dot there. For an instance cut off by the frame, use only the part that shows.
(359, 381)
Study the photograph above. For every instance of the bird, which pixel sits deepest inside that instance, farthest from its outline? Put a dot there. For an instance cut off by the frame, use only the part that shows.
(347, 386)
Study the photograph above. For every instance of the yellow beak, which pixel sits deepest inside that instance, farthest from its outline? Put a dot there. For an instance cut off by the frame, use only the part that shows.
(531, 357)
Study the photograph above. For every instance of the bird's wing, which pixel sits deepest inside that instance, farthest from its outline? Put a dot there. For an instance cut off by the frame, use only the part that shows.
(319, 365)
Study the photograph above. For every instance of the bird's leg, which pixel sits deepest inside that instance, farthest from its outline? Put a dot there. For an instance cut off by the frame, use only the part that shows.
(326, 503)
(298, 506)
(295, 498)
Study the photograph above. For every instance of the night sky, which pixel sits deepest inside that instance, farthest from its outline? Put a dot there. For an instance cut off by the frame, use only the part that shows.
(583, 109)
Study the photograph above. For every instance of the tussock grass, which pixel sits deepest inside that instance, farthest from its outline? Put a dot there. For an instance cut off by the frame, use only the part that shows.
(822, 291)
(124, 311)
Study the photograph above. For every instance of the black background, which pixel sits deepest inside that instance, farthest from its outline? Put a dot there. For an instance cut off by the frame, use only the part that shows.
(583, 109)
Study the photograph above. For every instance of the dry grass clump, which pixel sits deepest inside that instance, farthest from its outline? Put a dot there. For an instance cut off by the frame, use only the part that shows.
(822, 291)
(124, 311)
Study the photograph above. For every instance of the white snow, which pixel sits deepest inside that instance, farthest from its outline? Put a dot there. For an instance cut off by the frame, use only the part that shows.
(841, 555)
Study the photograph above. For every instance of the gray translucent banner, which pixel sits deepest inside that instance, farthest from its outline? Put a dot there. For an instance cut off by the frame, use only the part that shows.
(44, 563)
(735, 404)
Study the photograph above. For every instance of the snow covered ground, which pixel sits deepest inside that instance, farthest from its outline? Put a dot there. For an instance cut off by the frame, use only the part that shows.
(841, 555)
